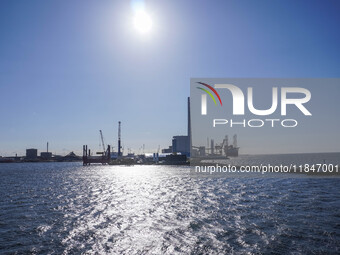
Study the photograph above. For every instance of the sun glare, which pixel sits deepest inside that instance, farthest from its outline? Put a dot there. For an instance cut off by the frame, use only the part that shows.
(142, 22)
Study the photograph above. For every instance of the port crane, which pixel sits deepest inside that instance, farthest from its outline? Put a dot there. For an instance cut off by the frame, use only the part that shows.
(103, 144)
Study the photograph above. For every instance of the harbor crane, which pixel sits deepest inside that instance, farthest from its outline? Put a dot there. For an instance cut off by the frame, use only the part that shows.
(102, 138)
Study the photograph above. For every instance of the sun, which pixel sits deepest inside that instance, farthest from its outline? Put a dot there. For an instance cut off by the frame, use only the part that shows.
(142, 22)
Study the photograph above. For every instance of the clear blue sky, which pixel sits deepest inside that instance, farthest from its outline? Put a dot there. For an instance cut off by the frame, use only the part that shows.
(70, 68)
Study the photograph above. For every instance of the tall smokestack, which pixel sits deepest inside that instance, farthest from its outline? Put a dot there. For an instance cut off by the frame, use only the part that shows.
(189, 119)
(47, 147)
(119, 146)
(189, 125)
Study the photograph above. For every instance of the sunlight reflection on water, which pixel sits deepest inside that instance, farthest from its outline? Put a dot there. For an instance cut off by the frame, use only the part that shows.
(67, 208)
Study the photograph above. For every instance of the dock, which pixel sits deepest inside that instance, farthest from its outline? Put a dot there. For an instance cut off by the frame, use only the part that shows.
(103, 158)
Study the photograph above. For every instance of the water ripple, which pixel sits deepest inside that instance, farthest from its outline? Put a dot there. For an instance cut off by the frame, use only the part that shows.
(67, 209)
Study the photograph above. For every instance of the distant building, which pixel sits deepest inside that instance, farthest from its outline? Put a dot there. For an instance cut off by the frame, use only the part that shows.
(168, 150)
(181, 144)
(46, 155)
(31, 153)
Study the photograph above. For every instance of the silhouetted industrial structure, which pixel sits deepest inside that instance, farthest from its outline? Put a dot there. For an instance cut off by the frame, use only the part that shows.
(46, 155)
(119, 142)
(217, 150)
(31, 153)
(181, 144)
(88, 159)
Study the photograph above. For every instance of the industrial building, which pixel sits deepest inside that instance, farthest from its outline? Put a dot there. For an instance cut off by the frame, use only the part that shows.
(217, 150)
(168, 150)
(181, 144)
(31, 153)
(46, 155)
